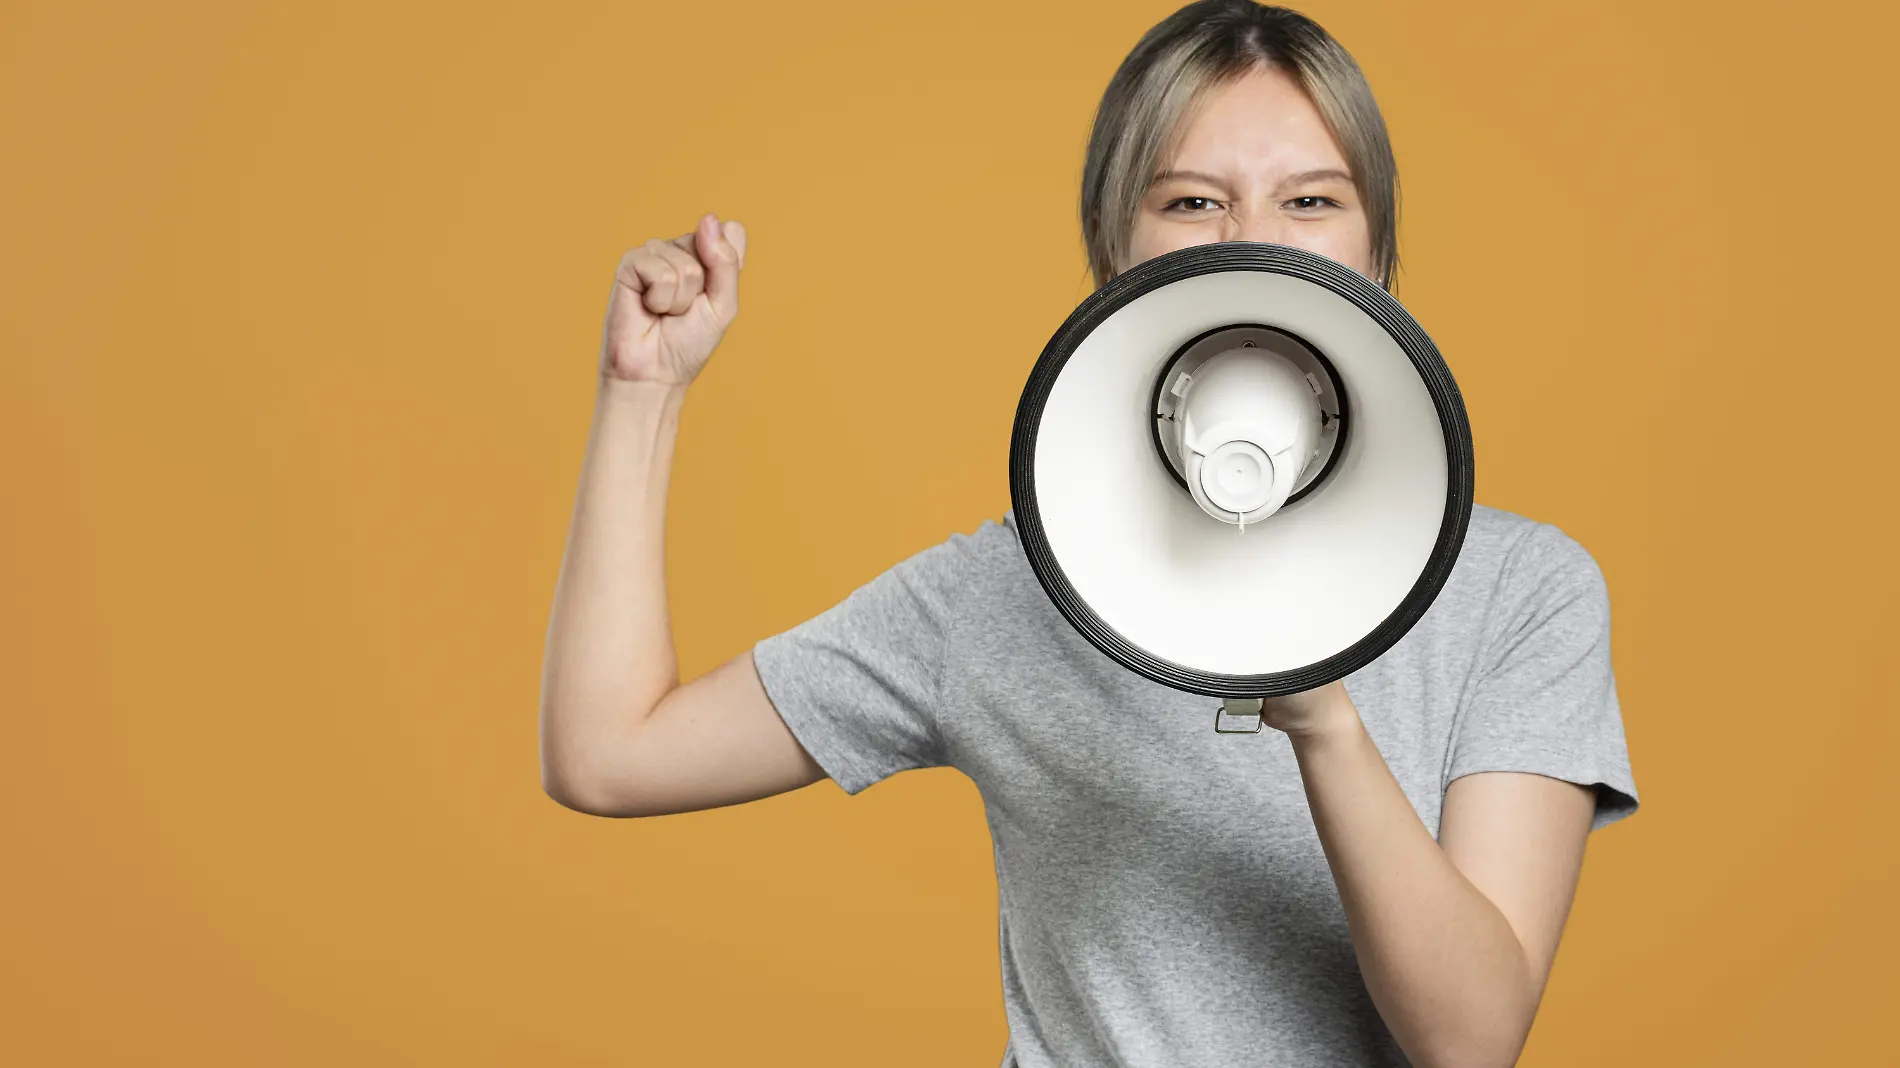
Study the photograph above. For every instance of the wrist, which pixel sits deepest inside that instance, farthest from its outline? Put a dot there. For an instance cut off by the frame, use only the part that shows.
(1331, 720)
(641, 392)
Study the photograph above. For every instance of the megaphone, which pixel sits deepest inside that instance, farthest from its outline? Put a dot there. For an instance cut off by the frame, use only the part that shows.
(1241, 470)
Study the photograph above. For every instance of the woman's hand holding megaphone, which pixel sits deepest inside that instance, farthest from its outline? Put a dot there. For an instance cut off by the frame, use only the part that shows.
(672, 301)
(1310, 713)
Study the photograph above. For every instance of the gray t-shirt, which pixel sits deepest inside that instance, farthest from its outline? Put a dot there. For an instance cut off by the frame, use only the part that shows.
(1164, 899)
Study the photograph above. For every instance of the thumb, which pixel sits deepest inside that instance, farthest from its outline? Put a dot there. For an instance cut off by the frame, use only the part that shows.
(722, 258)
(735, 233)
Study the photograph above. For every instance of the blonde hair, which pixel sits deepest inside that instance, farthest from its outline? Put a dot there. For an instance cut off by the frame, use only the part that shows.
(1199, 47)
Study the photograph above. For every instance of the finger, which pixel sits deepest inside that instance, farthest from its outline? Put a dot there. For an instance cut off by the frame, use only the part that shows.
(627, 273)
(735, 234)
(666, 275)
(722, 267)
(658, 277)
(733, 230)
(692, 276)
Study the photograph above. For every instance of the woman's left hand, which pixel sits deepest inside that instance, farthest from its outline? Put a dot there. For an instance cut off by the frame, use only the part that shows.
(1320, 711)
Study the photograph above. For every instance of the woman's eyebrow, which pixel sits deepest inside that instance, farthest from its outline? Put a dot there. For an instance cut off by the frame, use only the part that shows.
(1198, 176)
(1322, 175)
(1301, 178)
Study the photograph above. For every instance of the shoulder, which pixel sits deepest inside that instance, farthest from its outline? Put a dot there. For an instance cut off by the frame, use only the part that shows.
(994, 581)
(962, 554)
(1517, 552)
(965, 557)
(993, 540)
(1511, 571)
(1533, 576)
(990, 546)
(962, 571)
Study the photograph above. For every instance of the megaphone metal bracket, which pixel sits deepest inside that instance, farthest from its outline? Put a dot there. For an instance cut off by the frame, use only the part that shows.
(1240, 708)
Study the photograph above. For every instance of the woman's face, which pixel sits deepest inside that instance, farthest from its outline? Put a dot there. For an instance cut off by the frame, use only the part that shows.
(1255, 162)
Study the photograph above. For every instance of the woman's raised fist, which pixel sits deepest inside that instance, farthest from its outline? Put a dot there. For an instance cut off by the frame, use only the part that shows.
(671, 303)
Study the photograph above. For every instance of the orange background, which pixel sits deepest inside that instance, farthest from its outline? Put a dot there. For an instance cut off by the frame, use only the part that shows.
(301, 308)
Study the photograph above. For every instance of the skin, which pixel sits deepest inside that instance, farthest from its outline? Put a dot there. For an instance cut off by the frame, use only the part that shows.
(1255, 162)
(1454, 936)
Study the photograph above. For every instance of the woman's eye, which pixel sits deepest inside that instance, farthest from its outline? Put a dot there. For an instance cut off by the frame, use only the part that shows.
(1191, 200)
(1311, 203)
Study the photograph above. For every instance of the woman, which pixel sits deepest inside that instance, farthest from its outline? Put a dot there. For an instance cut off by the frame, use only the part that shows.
(1383, 877)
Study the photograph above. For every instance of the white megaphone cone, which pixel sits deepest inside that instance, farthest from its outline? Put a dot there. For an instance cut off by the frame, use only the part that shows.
(1251, 387)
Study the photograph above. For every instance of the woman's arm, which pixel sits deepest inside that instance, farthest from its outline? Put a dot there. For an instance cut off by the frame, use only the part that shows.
(1454, 937)
(619, 735)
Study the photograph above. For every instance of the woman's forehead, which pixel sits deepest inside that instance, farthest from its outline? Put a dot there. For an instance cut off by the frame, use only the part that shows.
(1261, 122)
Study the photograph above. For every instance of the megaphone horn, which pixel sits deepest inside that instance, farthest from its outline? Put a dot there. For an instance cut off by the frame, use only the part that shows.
(1231, 389)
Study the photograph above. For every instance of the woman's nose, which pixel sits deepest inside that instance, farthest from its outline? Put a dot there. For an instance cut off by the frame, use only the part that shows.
(1255, 226)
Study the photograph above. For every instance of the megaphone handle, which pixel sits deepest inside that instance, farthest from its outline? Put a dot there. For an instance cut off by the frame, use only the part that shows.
(1239, 708)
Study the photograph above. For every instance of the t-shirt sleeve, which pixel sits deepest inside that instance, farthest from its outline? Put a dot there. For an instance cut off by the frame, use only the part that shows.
(858, 684)
(1543, 696)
